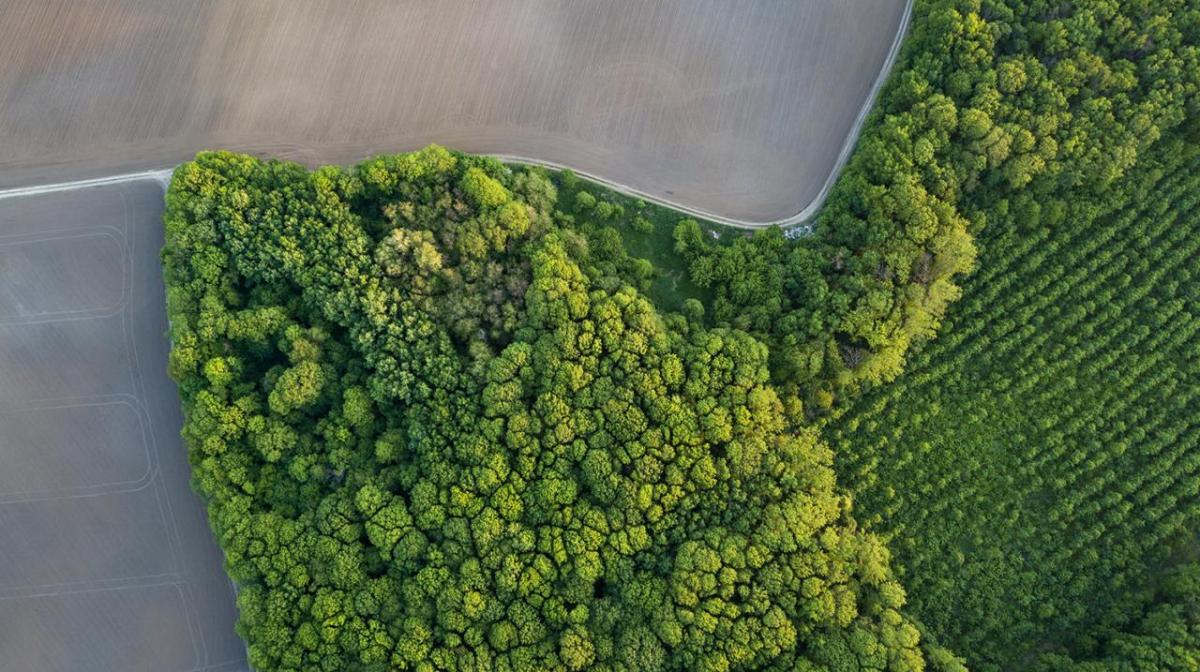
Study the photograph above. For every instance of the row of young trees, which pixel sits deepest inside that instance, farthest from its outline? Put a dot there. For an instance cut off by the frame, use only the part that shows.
(438, 429)
(1042, 457)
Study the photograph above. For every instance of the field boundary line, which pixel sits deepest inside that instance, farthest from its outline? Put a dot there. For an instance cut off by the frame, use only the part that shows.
(809, 211)
(162, 176)
(800, 219)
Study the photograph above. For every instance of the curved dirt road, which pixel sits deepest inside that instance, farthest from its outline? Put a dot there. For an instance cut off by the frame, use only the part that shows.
(737, 111)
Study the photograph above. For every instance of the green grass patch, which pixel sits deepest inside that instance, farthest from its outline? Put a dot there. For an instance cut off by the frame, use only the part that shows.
(646, 232)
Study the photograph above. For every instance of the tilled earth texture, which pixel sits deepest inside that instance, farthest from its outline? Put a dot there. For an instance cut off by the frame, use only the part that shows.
(107, 561)
(738, 109)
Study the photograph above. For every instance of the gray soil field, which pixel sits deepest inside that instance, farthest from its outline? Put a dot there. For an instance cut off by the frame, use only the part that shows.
(736, 108)
(107, 561)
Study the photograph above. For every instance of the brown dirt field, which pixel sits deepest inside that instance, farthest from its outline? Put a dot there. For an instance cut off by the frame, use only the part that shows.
(735, 108)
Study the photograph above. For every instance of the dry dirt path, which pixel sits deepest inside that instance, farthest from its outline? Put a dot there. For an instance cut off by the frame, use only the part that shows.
(735, 109)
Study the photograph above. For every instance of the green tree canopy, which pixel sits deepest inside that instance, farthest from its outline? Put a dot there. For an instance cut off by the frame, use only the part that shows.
(432, 436)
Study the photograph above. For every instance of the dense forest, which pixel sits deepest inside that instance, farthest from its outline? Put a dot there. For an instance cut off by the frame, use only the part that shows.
(452, 414)
(1035, 469)
(437, 429)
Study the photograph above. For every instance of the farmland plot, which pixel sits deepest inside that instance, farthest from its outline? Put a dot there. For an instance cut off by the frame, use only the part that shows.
(736, 109)
(107, 561)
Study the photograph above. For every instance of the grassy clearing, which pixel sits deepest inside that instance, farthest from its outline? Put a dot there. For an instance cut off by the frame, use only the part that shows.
(646, 232)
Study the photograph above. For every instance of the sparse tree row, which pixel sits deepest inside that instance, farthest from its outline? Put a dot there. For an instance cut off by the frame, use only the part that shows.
(436, 429)
(998, 113)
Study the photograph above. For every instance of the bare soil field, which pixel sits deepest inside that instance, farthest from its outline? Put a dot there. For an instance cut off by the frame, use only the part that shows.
(107, 560)
(739, 109)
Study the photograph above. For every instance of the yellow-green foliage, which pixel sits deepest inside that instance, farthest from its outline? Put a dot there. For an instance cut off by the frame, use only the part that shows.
(434, 434)
(439, 425)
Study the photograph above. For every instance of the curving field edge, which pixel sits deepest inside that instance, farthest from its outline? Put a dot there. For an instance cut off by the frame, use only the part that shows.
(801, 217)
